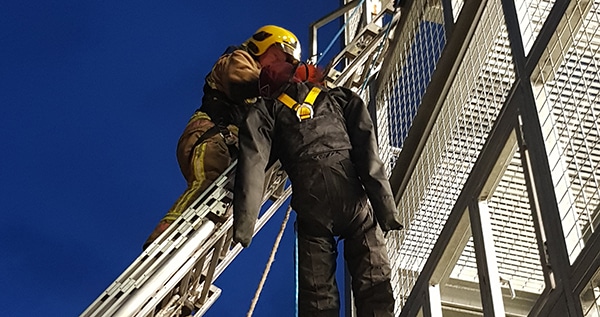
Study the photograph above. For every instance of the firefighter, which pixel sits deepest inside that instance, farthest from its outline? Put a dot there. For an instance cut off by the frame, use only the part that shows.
(325, 141)
(208, 143)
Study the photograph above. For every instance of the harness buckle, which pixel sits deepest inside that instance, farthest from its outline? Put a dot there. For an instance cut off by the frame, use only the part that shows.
(228, 137)
(304, 111)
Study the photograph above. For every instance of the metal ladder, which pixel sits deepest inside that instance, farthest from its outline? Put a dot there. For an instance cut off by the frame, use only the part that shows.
(365, 45)
(174, 276)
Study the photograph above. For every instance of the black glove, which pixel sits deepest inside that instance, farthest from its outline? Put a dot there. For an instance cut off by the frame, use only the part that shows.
(242, 232)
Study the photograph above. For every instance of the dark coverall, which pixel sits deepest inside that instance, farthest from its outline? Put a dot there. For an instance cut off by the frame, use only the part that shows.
(333, 164)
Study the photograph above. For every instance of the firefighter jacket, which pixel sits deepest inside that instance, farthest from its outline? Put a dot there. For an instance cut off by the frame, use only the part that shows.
(272, 131)
(232, 81)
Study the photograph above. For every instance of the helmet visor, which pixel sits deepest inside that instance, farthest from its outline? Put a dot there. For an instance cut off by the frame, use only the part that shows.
(293, 50)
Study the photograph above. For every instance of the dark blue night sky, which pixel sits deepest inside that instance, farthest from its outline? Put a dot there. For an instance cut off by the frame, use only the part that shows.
(94, 95)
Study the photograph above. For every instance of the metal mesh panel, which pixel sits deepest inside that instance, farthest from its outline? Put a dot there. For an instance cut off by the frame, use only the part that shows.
(567, 87)
(414, 78)
(532, 14)
(456, 7)
(590, 297)
(514, 236)
(352, 19)
(399, 95)
(418, 51)
(474, 100)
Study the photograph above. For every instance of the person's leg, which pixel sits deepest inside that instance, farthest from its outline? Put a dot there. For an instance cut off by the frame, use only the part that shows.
(318, 293)
(366, 255)
(209, 161)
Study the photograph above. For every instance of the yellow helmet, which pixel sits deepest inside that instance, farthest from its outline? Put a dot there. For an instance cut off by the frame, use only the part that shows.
(268, 35)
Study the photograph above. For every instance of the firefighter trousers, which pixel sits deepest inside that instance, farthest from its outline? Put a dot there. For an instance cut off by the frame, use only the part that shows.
(201, 164)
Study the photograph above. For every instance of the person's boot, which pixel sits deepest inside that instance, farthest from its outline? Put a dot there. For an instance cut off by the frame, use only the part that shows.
(160, 228)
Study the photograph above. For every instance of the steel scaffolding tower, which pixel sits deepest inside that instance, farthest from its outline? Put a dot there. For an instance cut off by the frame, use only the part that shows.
(488, 114)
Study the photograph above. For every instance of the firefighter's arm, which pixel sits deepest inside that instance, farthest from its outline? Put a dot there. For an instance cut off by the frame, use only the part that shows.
(236, 74)
(254, 150)
(275, 76)
(365, 155)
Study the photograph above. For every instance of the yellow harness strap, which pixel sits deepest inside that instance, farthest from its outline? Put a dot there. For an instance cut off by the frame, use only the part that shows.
(304, 110)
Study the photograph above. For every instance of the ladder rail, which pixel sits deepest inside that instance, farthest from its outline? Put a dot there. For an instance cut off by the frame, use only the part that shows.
(183, 259)
(169, 263)
(175, 274)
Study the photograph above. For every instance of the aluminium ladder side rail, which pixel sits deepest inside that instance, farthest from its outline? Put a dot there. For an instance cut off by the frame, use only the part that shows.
(174, 275)
(360, 59)
(230, 256)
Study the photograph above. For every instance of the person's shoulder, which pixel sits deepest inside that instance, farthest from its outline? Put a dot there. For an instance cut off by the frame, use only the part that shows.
(231, 48)
(263, 110)
(305, 86)
(260, 104)
(342, 92)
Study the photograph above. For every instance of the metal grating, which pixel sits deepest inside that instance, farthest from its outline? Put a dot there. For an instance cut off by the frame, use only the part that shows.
(531, 15)
(514, 236)
(456, 7)
(590, 297)
(474, 100)
(420, 46)
(567, 87)
(352, 19)
(415, 76)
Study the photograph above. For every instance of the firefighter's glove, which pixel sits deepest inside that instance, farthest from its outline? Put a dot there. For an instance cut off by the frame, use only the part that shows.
(274, 77)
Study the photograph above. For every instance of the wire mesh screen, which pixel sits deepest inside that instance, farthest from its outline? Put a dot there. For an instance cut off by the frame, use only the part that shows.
(415, 75)
(531, 15)
(590, 297)
(352, 19)
(514, 235)
(567, 88)
(414, 59)
(466, 117)
(456, 8)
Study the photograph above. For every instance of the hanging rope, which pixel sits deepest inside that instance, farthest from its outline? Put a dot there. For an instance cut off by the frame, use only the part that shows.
(269, 262)
(296, 266)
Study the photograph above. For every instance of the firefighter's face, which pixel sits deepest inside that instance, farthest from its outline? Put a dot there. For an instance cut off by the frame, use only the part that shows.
(275, 54)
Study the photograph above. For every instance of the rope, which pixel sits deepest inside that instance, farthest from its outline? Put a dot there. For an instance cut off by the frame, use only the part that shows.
(269, 262)
(296, 265)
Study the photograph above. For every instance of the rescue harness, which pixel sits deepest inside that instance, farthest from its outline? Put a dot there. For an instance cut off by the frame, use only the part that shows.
(303, 110)
(228, 137)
